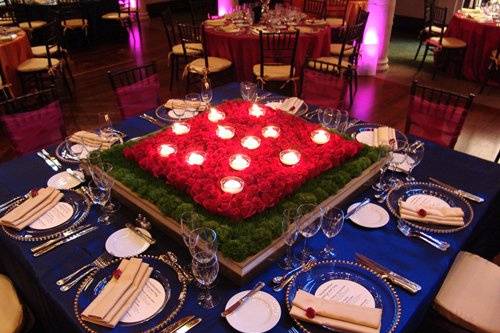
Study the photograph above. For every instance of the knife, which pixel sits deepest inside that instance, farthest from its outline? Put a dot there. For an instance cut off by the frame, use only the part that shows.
(189, 325)
(65, 234)
(49, 162)
(357, 208)
(458, 191)
(242, 300)
(52, 158)
(140, 233)
(64, 241)
(178, 324)
(75, 175)
(386, 273)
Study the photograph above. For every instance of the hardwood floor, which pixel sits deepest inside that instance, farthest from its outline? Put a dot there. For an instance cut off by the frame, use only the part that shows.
(378, 99)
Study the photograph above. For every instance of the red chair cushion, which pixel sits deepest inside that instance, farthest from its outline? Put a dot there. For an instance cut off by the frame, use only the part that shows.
(139, 97)
(29, 131)
(323, 89)
(435, 122)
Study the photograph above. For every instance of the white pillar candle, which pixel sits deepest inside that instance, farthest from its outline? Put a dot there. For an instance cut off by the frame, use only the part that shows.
(289, 157)
(225, 132)
(195, 158)
(232, 185)
(215, 115)
(271, 132)
(167, 150)
(320, 136)
(256, 111)
(239, 162)
(180, 128)
(250, 142)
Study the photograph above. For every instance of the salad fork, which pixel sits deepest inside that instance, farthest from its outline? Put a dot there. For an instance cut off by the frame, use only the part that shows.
(293, 330)
(409, 232)
(102, 260)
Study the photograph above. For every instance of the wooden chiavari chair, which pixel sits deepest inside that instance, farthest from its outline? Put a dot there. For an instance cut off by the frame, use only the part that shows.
(336, 12)
(315, 8)
(123, 14)
(72, 16)
(493, 68)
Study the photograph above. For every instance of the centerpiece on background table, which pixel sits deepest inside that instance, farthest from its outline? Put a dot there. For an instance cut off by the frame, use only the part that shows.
(240, 183)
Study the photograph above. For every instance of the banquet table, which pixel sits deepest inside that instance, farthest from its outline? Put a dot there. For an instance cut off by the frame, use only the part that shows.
(35, 277)
(243, 48)
(11, 55)
(481, 38)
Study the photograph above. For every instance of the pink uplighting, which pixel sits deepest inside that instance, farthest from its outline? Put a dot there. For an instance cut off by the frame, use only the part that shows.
(372, 46)
(224, 7)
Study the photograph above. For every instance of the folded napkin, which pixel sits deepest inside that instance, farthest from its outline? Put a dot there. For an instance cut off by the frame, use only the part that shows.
(8, 38)
(453, 216)
(305, 29)
(216, 22)
(93, 140)
(119, 293)
(182, 104)
(31, 209)
(291, 105)
(339, 316)
(230, 28)
(383, 136)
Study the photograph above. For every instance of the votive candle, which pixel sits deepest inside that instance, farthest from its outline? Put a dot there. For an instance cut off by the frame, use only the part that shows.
(232, 184)
(271, 132)
(320, 136)
(289, 157)
(167, 150)
(250, 142)
(180, 128)
(256, 111)
(239, 162)
(195, 158)
(215, 115)
(225, 132)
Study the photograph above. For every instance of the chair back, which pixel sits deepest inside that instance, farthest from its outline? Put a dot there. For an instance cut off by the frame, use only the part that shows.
(190, 34)
(7, 15)
(199, 11)
(71, 10)
(362, 17)
(324, 84)
(137, 89)
(436, 115)
(351, 37)
(169, 26)
(278, 48)
(438, 18)
(336, 8)
(33, 121)
(353, 8)
(315, 8)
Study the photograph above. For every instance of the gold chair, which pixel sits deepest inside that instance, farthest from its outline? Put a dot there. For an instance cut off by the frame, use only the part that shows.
(25, 13)
(493, 68)
(123, 14)
(72, 16)
(11, 309)
(335, 12)
(432, 26)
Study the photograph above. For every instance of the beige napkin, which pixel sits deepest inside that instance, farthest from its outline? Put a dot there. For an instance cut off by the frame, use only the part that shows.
(383, 135)
(7, 38)
(181, 104)
(230, 28)
(340, 316)
(93, 140)
(291, 105)
(31, 209)
(453, 216)
(119, 294)
(305, 30)
(216, 22)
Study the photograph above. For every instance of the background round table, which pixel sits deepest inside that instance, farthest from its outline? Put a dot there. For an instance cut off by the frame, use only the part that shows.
(243, 48)
(11, 55)
(481, 39)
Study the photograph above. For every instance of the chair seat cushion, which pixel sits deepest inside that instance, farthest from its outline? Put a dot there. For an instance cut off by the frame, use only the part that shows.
(273, 72)
(11, 310)
(40, 51)
(36, 65)
(470, 294)
(447, 42)
(336, 47)
(34, 25)
(139, 97)
(434, 30)
(332, 60)
(75, 23)
(115, 16)
(191, 49)
(334, 21)
(4, 22)
(215, 65)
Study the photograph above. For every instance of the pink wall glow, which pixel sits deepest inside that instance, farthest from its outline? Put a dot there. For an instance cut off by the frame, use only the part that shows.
(225, 6)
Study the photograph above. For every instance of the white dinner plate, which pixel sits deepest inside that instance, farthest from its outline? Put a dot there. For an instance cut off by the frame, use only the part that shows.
(369, 216)
(147, 304)
(403, 167)
(186, 115)
(260, 313)
(125, 243)
(57, 215)
(365, 137)
(64, 181)
(77, 149)
(427, 200)
(347, 292)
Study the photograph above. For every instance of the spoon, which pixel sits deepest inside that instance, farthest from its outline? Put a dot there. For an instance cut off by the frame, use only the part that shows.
(278, 279)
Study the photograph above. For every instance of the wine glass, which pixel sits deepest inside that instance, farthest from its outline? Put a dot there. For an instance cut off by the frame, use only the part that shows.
(396, 157)
(205, 265)
(332, 220)
(248, 90)
(190, 221)
(105, 124)
(309, 226)
(192, 104)
(290, 234)
(100, 188)
(327, 118)
(207, 93)
(415, 155)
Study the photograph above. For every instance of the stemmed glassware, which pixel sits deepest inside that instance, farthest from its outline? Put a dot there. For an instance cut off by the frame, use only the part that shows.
(326, 117)
(415, 155)
(100, 188)
(308, 227)
(190, 221)
(105, 124)
(205, 265)
(192, 103)
(248, 91)
(290, 233)
(396, 156)
(206, 91)
(332, 220)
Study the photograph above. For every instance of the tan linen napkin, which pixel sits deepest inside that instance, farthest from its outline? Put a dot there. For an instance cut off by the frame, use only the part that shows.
(230, 28)
(453, 216)
(216, 22)
(182, 104)
(343, 317)
(382, 136)
(305, 29)
(93, 140)
(30, 210)
(291, 105)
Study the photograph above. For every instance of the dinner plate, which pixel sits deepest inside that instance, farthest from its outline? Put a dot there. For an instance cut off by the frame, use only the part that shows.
(363, 132)
(274, 103)
(433, 194)
(369, 216)
(64, 155)
(53, 224)
(361, 279)
(402, 167)
(168, 114)
(64, 181)
(260, 313)
(151, 311)
(126, 243)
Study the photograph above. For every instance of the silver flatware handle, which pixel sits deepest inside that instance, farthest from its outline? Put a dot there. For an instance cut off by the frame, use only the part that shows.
(441, 245)
(70, 285)
(68, 278)
(404, 283)
(10, 202)
(43, 245)
(48, 162)
(470, 196)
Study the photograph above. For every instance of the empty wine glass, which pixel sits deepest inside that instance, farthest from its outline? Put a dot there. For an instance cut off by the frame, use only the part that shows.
(290, 233)
(190, 221)
(332, 220)
(192, 104)
(205, 265)
(248, 90)
(206, 91)
(105, 124)
(396, 157)
(327, 118)
(341, 120)
(415, 155)
(309, 226)
(100, 188)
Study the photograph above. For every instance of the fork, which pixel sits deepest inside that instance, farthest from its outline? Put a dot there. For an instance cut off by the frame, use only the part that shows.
(293, 330)
(103, 258)
(409, 232)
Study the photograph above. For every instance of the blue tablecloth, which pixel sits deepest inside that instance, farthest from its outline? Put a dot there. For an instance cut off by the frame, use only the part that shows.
(35, 277)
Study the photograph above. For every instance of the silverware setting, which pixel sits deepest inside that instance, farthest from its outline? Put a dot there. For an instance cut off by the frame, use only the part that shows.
(389, 275)
(410, 232)
(48, 161)
(152, 120)
(290, 275)
(65, 234)
(171, 258)
(357, 208)
(293, 330)
(140, 233)
(462, 193)
(75, 175)
(52, 158)
(64, 241)
(182, 325)
(17, 200)
(242, 300)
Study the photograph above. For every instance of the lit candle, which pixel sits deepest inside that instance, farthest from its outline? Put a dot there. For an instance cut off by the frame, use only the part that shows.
(180, 128)
(271, 132)
(256, 111)
(215, 115)
(239, 162)
(195, 158)
(290, 157)
(320, 136)
(250, 142)
(232, 185)
(167, 150)
(225, 132)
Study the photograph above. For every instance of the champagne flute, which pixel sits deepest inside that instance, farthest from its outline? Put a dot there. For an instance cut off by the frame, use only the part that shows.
(332, 220)
(415, 155)
(309, 226)
(290, 234)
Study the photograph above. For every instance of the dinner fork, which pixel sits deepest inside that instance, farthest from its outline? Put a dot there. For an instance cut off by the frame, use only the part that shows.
(293, 330)
(409, 232)
(100, 261)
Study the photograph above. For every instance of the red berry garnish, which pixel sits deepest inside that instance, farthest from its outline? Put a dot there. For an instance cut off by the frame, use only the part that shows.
(117, 273)
(422, 213)
(34, 192)
(310, 313)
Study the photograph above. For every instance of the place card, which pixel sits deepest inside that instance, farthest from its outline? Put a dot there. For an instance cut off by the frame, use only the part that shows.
(59, 214)
(347, 292)
(147, 304)
(426, 200)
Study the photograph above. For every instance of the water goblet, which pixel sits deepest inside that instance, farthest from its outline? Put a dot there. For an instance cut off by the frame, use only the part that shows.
(206, 92)
(290, 234)
(332, 220)
(205, 265)
(248, 90)
(105, 124)
(415, 155)
(190, 221)
(192, 103)
(327, 118)
(309, 226)
(100, 189)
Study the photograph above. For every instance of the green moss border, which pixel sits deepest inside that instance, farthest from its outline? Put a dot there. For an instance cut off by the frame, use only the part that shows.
(236, 240)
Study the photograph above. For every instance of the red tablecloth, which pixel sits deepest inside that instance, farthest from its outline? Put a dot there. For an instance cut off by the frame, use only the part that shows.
(11, 55)
(243, 49)
(481, 39)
